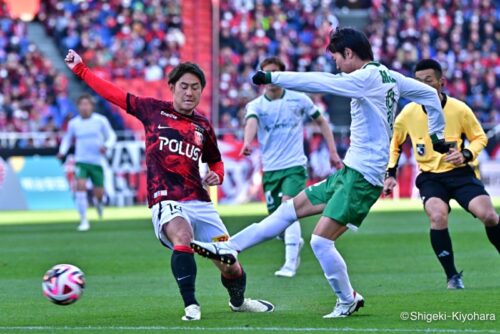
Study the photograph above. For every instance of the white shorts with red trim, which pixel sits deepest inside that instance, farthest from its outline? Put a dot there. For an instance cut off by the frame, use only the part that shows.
(202, 216)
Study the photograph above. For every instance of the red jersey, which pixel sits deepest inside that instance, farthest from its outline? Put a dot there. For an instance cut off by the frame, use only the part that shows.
(175, 143)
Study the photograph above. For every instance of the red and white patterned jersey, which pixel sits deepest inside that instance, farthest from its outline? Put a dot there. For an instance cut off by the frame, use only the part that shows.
(175, 143)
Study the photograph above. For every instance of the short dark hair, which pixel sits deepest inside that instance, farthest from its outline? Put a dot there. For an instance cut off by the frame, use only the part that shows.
(430, 64)
(273, 60)
(86, 96)
(342, 38)
(184, 68)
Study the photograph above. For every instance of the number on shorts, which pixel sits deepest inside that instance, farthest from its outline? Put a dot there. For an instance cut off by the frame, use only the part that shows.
(174, 208)
(269, 198)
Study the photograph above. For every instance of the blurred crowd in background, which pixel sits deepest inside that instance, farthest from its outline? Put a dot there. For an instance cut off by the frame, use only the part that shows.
(295, 31)
(33, 95)
(143, 39)
(120, 39)
(463, 36)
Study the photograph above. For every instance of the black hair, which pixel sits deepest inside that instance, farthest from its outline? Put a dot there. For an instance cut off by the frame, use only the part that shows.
(342, 38)
(184, 68)
(86, 96)
(273, 60)
(430, 64)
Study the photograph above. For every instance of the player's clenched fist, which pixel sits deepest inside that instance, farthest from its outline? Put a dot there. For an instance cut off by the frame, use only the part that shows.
(261, 78)
(389, 185)
(211, 179)
(246, 149)
(72, 59)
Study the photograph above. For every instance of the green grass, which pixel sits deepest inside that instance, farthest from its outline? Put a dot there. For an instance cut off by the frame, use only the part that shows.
(130, 288)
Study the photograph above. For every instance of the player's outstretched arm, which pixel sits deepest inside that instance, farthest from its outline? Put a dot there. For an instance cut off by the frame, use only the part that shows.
(428, 97)
(347, 85)
(102, 87)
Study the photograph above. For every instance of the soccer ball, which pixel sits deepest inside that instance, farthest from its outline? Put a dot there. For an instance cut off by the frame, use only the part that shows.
(63, 284)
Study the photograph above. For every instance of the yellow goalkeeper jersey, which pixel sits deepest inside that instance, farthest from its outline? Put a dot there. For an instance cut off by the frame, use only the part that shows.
(460, 123)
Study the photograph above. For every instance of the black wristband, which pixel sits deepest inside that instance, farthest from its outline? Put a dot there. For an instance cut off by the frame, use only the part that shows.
(391, 172)
(467, 155)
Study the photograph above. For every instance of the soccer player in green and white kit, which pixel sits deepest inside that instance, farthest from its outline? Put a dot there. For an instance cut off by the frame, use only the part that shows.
(344, 199)
(277, 117)
(93, 135)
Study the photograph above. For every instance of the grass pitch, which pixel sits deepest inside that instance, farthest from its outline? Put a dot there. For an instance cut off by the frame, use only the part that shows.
(130, 287)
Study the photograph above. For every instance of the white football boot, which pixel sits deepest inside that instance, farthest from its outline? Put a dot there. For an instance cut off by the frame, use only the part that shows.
(343, 310)
(84, 226)
(253, 306)
(193, 312)
(216, 251)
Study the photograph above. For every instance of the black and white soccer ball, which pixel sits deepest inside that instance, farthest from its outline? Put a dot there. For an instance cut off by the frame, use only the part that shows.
(63, 284)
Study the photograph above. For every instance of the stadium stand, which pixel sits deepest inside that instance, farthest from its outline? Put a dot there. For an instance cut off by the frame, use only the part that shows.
(134, 43)
(120, 39)
(461, 35)
(296, 31)
(33, 95)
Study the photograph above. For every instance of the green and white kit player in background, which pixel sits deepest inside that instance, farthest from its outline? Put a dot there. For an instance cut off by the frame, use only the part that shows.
(277, 118)
(345, 197)
(93, 135)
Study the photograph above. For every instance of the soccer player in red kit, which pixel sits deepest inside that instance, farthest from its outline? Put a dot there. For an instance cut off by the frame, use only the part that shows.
(177, 138)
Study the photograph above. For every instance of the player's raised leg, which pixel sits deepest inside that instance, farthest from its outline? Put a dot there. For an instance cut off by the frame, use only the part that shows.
(482, 208)
(208, 226)
(268, 228)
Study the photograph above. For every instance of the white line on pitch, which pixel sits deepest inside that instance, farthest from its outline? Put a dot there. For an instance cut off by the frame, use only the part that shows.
(230, 329)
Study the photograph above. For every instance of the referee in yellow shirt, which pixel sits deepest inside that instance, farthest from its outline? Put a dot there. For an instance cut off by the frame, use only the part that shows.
(444, 176)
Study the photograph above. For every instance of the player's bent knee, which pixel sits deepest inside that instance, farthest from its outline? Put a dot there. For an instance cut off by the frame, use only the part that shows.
(438, 219)
(320, 244)
(233, 270)
(489, 218)
(179, 238)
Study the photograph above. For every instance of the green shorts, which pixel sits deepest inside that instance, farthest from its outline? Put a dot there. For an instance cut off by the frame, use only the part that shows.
(284, 182)
(94, 172)
(347, 194)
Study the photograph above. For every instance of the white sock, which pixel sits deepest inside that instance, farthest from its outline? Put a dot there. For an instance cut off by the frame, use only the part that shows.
(292, 244)
(333, 266)
(82, 204)
(99, 205)
(267, 229)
